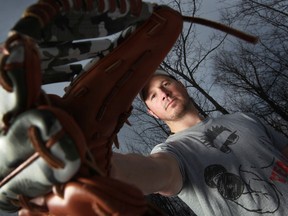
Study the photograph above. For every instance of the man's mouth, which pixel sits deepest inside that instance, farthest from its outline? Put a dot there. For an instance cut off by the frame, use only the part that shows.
(169, 104)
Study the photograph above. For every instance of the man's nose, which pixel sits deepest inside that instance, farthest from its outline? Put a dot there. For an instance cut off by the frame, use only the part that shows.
(165, 93)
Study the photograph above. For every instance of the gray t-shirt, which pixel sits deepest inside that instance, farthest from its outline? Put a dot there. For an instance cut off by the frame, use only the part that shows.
(231, 165)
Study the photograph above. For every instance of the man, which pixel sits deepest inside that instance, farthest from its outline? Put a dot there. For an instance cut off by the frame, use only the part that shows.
(231, 165)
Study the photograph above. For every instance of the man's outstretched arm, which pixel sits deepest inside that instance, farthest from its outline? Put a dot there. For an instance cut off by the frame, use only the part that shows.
(157, 173)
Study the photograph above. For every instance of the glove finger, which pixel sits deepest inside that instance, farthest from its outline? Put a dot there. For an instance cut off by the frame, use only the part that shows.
(53, 23)
(20, 77)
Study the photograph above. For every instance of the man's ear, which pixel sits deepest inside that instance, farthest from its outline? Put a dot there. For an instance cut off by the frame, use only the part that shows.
(152, 113)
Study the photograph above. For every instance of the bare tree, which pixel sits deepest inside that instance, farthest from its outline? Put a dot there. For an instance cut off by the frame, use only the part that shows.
(255, 77)
(251, 78)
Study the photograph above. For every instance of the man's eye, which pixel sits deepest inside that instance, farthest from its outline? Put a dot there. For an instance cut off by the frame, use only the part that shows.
(152, 96)
(166, 83)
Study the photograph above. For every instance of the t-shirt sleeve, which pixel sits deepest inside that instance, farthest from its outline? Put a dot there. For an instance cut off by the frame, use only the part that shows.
(278, 139)
(168, 148)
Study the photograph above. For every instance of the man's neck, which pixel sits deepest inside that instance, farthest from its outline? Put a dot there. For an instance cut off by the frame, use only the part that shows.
(188, 120)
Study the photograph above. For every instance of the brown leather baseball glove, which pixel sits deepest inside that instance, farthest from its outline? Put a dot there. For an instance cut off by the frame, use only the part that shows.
(65, 147)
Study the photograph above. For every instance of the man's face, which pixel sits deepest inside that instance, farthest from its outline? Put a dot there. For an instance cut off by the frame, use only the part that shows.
(166, 98)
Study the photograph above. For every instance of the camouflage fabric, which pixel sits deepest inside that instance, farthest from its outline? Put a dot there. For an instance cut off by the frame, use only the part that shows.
(63, 61)
(78, 35)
